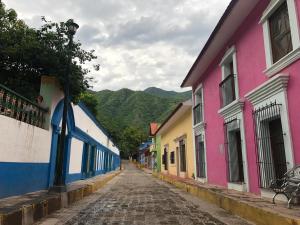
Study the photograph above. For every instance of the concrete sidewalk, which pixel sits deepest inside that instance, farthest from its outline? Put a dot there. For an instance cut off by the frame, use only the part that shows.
(29, 208)
(246, 205)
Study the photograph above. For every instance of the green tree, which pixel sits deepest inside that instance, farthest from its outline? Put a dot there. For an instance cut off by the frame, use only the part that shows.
(89, 100)
(27, 53)
(131, 138)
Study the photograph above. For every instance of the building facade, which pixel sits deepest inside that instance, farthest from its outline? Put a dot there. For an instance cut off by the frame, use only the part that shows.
(29, 142)
(245, 90)
(145, 156)
(176, 144)
(155, 146)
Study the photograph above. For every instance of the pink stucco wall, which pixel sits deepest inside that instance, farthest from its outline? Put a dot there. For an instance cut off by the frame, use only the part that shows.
(251, 63)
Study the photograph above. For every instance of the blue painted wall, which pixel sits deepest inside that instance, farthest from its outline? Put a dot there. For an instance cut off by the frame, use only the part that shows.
(20, 178)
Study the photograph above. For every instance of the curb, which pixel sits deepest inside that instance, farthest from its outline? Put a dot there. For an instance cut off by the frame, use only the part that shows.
(30, 213)
(245, 210)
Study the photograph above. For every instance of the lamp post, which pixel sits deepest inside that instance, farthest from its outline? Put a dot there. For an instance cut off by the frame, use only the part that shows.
(59, 181)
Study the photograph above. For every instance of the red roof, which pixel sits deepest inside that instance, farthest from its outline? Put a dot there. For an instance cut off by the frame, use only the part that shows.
(153, 128)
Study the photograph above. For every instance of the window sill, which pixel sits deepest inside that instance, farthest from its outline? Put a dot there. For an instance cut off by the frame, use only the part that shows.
(201, 124)
(237, 186)
(201, 180)
(283, 63)
(232, 109)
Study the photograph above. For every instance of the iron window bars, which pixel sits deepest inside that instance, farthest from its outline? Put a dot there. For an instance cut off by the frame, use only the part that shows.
(269, 144)
(182, 156)
(20, 108)
(233, 151)
(198, 113)
(200, 157)
(172, 157)
(227, 90)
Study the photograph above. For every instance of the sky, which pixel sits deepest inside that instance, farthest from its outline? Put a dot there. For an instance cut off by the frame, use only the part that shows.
(139, 43)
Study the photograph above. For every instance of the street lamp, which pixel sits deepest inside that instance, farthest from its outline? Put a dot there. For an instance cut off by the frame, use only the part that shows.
(59, 181)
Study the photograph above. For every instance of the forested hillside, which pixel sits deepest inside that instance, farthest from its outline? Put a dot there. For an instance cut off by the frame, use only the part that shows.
(131, 111)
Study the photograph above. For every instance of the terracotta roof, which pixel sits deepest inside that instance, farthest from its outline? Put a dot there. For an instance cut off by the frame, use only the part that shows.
(153, 128)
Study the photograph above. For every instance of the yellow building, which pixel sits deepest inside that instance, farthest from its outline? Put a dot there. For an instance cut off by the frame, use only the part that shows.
(177, 152)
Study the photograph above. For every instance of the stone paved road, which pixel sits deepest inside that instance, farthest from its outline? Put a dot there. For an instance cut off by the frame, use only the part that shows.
(135, 197)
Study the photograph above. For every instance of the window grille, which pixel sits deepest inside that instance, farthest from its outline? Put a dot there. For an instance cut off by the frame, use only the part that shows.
(227, 90)
(200, 157)
(182, 156)
(269, 142)
(172, 157)
(198, 113)
(233, 150)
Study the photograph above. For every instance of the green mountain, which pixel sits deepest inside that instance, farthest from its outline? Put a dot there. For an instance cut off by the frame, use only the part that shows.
(120, 109)
(168, 94)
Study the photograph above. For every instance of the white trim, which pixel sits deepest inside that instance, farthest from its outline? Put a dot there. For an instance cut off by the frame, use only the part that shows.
(228, 54)
(273, 5)
(281, 98)
(283, 62)
(201, 127)
(240, 117)
(201, 180)
(275, 90)
(267, 44)
(198, 89)
(231, 55)
(268, 89)
(237, 187)
(273, 68)
(233, 108)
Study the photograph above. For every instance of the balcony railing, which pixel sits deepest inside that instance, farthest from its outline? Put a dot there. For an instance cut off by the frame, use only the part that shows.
(20, 108)
(198, 114)
(227, 90)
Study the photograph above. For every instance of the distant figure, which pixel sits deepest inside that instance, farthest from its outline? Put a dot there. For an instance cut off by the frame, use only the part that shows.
(40, 102)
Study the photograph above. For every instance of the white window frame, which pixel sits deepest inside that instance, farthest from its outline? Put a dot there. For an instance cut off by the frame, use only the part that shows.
(199, 129)
(202, 133)
(273, 68)
(244, 186)
(262, 96)
(231, 55)
(199, 89)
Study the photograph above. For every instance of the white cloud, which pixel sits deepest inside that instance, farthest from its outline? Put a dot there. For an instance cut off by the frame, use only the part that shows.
(140, 43)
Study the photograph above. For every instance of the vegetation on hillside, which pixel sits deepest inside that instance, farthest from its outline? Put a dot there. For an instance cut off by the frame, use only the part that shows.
(127, 112)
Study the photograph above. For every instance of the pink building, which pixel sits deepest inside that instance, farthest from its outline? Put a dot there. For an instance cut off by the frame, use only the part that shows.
(246, 85)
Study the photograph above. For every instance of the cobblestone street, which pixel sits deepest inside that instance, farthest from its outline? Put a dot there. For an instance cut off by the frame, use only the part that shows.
(135, 197)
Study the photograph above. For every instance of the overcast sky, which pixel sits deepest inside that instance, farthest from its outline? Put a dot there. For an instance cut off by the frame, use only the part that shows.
(139, 43)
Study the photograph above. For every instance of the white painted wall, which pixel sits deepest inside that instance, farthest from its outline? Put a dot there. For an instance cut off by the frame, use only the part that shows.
(21, 142)
(75, 156)
(84, 122)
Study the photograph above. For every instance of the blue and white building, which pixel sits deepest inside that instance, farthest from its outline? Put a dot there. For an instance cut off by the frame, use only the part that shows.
(29, 142)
